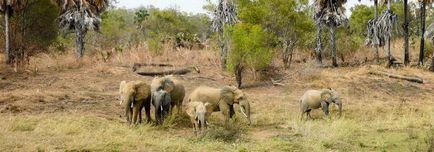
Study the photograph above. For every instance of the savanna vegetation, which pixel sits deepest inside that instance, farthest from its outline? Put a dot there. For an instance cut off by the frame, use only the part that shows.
(68, 64)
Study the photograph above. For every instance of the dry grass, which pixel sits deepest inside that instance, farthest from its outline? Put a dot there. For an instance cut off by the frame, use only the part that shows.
(67, 105)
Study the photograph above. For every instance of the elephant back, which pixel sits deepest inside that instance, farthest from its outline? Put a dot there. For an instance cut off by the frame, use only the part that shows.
(143, 90)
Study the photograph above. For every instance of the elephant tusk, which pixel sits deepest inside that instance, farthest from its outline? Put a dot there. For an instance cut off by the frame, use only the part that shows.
(242, 111)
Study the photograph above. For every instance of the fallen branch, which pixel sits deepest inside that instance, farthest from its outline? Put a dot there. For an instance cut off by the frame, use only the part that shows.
(408, 78)
(138, 65)
(168, 72)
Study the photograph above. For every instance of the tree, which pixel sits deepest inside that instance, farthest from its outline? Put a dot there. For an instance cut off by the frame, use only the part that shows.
(285, 20)
(80, 16)
(7, 7)
(248, 49)
(377, 54)
(332, 14)
(225, 14)
(30, 30)
(423, 4)
(406, 36)
(380, 30)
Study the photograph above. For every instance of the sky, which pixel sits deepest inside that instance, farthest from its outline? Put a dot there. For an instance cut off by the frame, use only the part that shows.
(195, 6)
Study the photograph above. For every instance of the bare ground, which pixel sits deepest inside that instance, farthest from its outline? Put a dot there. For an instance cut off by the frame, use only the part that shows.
(74, 107)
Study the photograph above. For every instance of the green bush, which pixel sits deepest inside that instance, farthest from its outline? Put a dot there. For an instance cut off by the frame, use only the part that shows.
(248, 47)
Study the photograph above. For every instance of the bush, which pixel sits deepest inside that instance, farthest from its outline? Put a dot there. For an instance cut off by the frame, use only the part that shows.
(248, 49)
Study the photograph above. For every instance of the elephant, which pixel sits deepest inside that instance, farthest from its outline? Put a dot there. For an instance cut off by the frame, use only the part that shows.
(161, 104)
(135, 95)
(198, 113)
(222, 99)
(171, 86)
(315, 99)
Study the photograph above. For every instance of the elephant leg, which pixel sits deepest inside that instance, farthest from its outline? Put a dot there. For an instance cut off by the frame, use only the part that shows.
(325, 109)
(309, 116)
(128, 114)
(148, 111)
(231, 111)
(140, 114)
(135, 114)
(224, 108)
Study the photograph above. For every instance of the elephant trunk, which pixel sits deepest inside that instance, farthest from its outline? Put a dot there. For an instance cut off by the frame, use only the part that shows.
(245, 109)
(201, 120)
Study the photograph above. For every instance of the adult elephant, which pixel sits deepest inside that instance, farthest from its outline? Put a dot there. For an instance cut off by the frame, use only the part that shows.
(135, 95)
(167, 92)
(222, 99)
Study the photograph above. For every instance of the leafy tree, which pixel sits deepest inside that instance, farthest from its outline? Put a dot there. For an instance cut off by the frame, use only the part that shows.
(7, 7)
(32, 29)
(248, 49)
(166, 25)
(284, 19)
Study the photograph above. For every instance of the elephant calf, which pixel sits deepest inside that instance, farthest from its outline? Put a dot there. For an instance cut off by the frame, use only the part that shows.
(198, 113)
(135, 95)
(222, 99)
(167, 92)
(315, 99)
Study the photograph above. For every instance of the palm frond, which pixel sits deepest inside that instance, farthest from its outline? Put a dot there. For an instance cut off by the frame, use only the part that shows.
(379, 30)
(330, 12)
(84, 12)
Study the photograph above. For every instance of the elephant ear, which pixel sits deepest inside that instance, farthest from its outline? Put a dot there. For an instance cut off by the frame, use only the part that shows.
(326, 96)
(167, 84)
(238, 95)
(227, 95)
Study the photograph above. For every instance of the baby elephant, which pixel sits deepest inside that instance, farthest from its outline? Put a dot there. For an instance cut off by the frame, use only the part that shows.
(198, 113)
(315, 99)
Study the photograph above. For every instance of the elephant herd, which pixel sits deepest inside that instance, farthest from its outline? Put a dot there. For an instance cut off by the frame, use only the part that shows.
(167, 92)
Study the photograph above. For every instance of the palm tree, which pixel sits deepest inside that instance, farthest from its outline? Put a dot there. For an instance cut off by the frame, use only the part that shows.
(7, 7)
(380, 30)
(332, 14)
(224, 14)
(80, 16)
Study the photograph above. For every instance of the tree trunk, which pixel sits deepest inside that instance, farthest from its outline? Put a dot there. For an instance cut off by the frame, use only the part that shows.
(318, 43)
(422, 33)
(223, 55)
(8, 53)
(431, 68)
(288, 48)
(80, 32)
(377, 55)
(238, 71)
(333, 44)
(388, 39)
(290, 58)
(406, 51)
